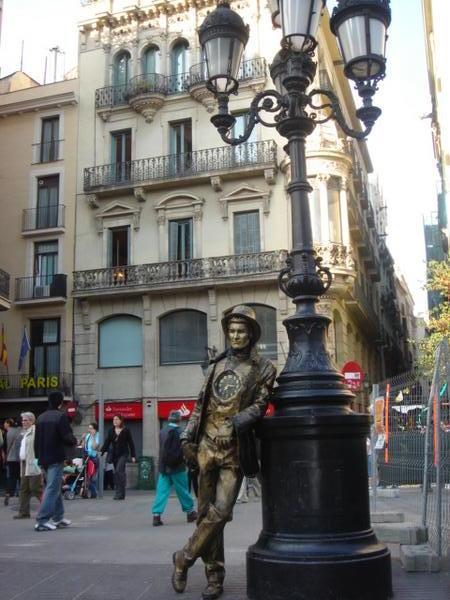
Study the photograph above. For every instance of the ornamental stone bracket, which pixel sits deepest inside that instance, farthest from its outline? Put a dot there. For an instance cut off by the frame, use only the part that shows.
(139, 194)
(201, 94)
(269, 176)
(92, 201)
(104, 113)
(147, 105)
(216, 183)
(245, 193)
(85, 314)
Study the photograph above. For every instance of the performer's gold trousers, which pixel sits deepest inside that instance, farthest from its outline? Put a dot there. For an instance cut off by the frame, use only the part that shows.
(220, 479)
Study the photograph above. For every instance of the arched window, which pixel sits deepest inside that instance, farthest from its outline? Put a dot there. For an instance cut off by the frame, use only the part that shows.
(183, 337)
(179, 67)
(150, 60)
(179, 58)
(267, 318)
(350, 343)
(122, 68)
(120, 342)
(338, 338)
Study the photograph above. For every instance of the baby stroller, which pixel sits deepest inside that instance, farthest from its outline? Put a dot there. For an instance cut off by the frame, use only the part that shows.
(77, 483)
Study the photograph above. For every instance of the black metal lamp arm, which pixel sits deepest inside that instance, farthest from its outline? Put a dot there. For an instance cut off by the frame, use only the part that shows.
(268, 101)
(368, 113)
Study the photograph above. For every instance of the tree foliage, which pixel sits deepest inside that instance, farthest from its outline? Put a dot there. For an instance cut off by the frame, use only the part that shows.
(438, 280)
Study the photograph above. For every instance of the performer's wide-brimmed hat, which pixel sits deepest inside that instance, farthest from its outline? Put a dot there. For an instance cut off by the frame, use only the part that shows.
(244, 313)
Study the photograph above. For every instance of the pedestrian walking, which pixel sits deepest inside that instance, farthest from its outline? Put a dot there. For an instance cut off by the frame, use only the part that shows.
(172, 472)
(53, 436)
(30, 473)
(219, 440)
(12, 448)
(91, 448)
(119, 445)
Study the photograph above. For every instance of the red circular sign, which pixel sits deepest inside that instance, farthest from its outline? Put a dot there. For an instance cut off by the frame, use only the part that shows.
(354, 375)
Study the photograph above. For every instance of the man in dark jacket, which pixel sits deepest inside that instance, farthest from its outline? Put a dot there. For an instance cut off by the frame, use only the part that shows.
(53, 436)
(172, 472)
(219, 439)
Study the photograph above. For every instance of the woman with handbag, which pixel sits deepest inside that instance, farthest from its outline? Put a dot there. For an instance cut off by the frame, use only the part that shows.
(120, 443)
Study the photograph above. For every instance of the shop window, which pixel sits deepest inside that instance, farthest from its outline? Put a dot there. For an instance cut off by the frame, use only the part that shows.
(183, 337)
(120, 342)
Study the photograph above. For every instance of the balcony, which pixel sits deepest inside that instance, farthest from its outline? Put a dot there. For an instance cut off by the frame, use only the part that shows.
(47, 152)
(27, 386)
(5, 304)
(194, 273)
(252, 157)
(41, 289)
(43, 219)
(158, 86)
(361, 307)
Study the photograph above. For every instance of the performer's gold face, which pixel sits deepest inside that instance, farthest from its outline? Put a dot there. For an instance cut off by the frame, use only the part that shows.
(239, 335)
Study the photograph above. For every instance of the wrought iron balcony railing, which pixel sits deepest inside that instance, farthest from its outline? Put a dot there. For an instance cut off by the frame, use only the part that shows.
(26, 385)
(4, 284)
(173, 166)
(145, 84)
(48, 151)
(157, 274)
(41, 287)
(111, 95)
(254, 68)
(169, 85)
(44, 217)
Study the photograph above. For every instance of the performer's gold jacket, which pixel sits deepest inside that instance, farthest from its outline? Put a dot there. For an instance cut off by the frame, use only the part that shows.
(257, 386)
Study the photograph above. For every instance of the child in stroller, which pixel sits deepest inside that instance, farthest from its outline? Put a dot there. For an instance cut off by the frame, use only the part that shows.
(77, 475)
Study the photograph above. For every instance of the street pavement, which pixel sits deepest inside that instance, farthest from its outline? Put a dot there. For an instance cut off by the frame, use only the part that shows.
(112, 552)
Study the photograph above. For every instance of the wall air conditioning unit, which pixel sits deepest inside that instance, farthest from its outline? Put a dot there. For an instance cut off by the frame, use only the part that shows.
(42, 291)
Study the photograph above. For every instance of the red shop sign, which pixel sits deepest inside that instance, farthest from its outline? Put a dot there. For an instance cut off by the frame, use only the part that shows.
(354, 375)
(166, 406)
(132, 411)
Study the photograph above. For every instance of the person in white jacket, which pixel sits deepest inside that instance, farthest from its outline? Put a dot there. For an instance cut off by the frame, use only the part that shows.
(30, 472)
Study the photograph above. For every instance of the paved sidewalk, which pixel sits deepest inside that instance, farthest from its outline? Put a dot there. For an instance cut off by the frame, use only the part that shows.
(113, 553)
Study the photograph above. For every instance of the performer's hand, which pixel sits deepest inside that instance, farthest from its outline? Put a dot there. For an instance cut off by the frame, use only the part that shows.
(190, 453)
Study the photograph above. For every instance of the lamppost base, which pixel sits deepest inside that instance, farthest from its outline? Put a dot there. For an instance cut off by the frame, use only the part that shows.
(316, 542)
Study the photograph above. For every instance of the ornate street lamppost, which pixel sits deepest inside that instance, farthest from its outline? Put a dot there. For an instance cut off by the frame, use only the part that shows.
(316, 542)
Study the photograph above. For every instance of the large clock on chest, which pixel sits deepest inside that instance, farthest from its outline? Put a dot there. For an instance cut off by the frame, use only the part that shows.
(227, 385)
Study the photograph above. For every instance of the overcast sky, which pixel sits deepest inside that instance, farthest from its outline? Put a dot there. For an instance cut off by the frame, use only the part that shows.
(400, 144)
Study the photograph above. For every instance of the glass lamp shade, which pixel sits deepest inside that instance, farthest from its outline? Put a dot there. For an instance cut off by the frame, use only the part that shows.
(274, 7)
(300, 22)
(361, 28)
(223, 36)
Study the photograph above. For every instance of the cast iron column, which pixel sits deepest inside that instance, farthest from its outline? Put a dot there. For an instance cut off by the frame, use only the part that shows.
(316, 542)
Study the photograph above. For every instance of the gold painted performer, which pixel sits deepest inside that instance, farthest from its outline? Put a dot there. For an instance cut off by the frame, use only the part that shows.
(219, 441)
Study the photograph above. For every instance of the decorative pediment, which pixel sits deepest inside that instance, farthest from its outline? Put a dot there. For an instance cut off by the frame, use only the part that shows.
(179, 201)
(244, 193)
(118, 209)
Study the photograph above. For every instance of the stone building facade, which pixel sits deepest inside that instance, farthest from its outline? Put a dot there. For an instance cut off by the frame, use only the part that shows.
(38, 141)
(173, 228)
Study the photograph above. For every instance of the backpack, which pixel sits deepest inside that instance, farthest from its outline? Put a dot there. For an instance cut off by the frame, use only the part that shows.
(172, 452)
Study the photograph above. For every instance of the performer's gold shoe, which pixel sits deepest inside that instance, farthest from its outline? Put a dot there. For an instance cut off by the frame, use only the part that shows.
(179, 576)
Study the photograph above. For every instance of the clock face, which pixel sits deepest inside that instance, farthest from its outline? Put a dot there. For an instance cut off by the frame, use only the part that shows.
(227, 385)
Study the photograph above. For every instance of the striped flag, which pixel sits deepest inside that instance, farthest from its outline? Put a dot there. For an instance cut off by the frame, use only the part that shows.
(3, 350)
(25, 347)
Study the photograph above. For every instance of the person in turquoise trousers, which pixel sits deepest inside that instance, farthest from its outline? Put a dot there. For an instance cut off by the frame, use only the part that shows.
(172, 472)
